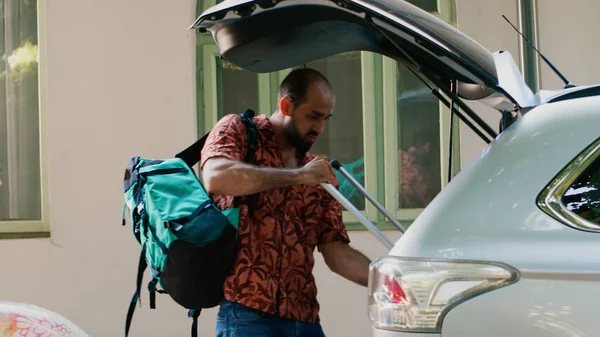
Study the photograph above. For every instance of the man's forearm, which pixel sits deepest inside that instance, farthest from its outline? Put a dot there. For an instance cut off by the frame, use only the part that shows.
(354, 266)
(228, 177)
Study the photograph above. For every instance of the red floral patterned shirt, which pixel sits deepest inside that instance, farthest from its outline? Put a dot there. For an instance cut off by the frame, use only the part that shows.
(273, 267)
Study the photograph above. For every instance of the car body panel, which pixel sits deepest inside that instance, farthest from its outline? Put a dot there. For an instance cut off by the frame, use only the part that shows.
(489, 212)
(576, 92)
(443, 39)
(548, 306)
(479, 215)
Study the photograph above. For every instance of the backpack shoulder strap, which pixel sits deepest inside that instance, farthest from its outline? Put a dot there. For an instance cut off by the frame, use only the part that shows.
(192, 154)
(252, 133)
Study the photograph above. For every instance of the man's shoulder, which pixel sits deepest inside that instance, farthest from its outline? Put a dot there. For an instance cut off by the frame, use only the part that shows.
(262, 122)
(229, 121)
(235, 121)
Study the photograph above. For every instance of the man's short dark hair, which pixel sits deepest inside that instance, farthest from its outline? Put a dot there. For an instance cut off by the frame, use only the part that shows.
(296, 84)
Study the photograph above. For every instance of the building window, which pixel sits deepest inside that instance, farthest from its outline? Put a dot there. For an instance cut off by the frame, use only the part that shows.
(416, 145)
(227, 89)
(237, 89)
(418, 139)
(342, 138)
(21, 197)
(428, 5)
(388, 131)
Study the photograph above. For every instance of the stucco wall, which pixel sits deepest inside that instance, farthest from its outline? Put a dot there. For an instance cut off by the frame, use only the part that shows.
(565, 36)
(568, 38)
(482, 21)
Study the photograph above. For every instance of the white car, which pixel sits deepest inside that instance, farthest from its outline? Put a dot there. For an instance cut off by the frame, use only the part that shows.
(509, 247)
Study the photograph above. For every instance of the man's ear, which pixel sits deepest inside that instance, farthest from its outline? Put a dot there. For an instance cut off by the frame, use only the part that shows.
(285, 105)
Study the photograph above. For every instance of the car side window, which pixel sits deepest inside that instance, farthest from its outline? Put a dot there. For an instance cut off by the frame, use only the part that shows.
(583, 196)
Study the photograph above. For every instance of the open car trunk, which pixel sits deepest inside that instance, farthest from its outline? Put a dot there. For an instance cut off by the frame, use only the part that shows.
(266, 36)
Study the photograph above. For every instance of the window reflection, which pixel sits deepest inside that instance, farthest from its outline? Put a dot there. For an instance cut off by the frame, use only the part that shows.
(343, 135)
(238, 89)
(583, 196)
(419, 166)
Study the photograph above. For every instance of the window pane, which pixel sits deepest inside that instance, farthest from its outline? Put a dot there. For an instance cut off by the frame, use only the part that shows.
(238, 89)
(419, 177)
(20, 192)
(428, 5)
(343, 135)
(583, 197)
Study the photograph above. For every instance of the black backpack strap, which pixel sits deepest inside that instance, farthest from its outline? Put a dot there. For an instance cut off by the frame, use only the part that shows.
(252, 134)
(142, 265)
(191, 155)
(194, 314)
(152, 290)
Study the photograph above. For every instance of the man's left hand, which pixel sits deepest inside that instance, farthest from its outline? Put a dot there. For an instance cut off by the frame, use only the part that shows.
(346, 261)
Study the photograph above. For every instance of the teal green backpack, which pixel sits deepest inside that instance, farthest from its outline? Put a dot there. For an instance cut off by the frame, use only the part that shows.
(187, 242)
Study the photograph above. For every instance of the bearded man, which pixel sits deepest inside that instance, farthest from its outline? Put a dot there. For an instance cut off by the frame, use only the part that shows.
(271, 290)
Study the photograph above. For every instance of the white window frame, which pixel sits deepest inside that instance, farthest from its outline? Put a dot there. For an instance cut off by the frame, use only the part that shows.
(391, 131)
(446, 12)
(41, 227)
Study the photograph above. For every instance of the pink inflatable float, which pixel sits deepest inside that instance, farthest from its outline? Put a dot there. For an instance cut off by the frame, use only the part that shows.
(24, 320)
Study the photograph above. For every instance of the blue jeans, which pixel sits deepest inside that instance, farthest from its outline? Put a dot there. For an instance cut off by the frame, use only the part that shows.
(236, 320)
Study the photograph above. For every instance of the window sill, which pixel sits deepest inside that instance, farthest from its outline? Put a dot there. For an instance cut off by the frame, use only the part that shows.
(24, 229)
(383, 225)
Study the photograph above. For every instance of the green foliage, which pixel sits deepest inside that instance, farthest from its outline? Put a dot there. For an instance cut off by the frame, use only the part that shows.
(22, 62)
(24, 59)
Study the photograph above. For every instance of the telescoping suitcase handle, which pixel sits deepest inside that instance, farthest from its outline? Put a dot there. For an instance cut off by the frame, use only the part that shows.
(352, 209)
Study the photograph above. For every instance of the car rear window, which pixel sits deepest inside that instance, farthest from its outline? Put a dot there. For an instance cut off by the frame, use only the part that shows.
(583, 196)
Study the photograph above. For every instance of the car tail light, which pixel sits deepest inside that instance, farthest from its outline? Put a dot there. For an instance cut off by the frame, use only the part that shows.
(415, 294)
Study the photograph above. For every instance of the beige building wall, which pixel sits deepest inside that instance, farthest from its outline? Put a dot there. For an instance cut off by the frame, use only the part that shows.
(566, 36)
(482, 20)
(569, 39)
(116, 66)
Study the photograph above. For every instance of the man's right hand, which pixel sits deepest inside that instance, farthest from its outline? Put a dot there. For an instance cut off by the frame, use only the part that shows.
(317, 171)
(231, 177)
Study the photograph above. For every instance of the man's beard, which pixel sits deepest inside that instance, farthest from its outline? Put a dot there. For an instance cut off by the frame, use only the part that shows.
(293, 137)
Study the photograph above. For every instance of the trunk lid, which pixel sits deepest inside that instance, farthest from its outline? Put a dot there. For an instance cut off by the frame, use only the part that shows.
(265, 36)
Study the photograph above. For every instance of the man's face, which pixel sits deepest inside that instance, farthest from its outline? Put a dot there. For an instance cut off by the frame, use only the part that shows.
(305, 122)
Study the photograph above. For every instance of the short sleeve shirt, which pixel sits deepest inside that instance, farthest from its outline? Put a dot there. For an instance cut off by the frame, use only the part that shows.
(274, 263)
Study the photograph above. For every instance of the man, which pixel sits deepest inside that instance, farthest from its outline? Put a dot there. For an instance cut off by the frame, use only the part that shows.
(271, 290)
